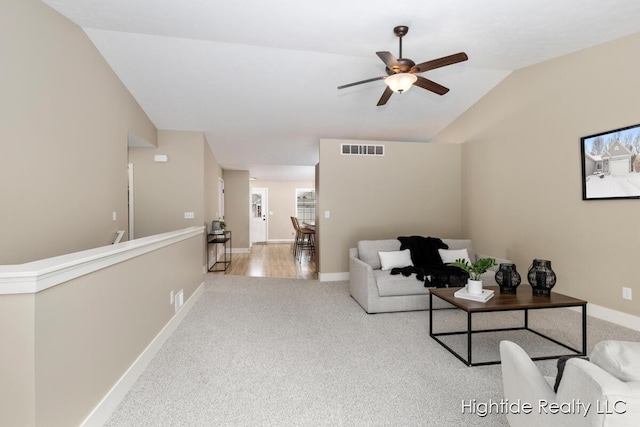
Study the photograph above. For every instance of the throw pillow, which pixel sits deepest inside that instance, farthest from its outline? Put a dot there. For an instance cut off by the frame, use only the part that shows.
(450, 255)
(395, 259)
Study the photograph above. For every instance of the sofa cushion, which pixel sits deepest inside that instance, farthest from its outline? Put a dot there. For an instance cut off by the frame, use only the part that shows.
(368, 250)
(394, 285)
(619, 358)
(395, 259)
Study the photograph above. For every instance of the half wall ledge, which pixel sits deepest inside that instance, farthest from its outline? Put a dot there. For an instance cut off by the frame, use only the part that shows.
(36, 276)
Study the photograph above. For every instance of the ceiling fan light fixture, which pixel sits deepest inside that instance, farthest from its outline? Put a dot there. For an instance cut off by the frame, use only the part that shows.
(400, 82)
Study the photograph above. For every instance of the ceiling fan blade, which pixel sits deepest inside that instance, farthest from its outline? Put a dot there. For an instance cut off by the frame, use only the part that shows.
(385, 96)
(430, 85)
(363, 81)
(390, 61)
(440, 62)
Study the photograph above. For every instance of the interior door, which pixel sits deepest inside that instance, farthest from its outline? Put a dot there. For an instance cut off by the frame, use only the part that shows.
(258, 215)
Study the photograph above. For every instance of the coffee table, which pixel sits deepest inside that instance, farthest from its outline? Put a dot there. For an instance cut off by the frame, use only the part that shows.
(523, 300)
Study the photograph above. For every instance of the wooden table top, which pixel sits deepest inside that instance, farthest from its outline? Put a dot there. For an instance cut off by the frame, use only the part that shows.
(521, 300)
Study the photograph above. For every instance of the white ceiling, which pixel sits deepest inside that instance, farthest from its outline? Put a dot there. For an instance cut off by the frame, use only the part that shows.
(260, 77)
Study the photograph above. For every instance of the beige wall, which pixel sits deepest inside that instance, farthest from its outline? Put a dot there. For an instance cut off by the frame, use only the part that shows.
(521, 171)
(17, 360)
(282, 202)
(65, 347)
(63, 151)
(413, 189)
(66, 118)
(237, 196)
(164, 191)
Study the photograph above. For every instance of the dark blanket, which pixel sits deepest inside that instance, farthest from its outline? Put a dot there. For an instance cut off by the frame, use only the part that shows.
(424, 250)
(436, 276)
(427, 264)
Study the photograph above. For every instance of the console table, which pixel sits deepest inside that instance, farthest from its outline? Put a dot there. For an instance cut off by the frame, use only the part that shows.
(523, 301)
(223, 239)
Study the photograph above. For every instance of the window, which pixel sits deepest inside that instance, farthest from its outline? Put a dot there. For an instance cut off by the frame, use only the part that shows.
(306, 204)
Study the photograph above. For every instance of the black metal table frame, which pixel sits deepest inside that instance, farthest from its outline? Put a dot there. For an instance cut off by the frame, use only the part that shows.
(220, 239)
(469, 332)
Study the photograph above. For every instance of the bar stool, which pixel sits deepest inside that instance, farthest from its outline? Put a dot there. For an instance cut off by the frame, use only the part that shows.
(304, 239)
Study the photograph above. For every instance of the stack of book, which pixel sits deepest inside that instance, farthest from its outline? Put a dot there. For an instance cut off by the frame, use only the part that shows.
(485, 296)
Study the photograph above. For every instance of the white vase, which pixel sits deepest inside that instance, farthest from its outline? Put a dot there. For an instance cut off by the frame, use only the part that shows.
(474, 287)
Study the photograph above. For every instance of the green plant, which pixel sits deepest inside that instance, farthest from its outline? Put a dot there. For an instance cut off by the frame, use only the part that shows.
(223, 225)
(475, 269)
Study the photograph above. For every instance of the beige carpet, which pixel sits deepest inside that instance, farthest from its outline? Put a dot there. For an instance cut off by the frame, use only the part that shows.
(285, 352)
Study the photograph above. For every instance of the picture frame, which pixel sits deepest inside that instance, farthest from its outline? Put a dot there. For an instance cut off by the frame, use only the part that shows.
(611, 164)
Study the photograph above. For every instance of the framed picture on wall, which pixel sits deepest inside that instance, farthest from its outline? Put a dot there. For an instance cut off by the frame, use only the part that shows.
(611, 164)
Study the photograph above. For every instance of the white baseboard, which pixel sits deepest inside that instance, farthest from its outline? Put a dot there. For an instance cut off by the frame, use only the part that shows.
(280, 241)
(101, 413)
(333, 277)
(619, 318)
(241, 250)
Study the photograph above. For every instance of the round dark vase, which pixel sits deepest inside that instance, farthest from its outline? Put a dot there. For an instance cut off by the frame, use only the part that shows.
(508, 278)
(541, 277)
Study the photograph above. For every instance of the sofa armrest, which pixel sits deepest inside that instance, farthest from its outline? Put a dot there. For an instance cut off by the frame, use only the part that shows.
(362, 283)
(523, 382)
(519, 369)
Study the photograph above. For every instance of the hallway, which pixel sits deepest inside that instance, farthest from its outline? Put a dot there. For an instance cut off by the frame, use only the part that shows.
(272, 260)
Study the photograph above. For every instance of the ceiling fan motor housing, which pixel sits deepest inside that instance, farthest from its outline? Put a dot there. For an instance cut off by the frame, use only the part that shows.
(401, 30)
(403, 66)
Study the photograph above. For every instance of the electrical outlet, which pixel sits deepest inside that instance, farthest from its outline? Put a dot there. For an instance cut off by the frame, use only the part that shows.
(626, 293)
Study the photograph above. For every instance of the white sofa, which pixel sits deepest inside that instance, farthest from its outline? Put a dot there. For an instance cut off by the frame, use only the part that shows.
(378, 291)
(608, 384)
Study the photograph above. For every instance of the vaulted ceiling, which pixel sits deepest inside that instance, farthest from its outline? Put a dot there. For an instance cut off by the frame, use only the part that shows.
(260, 78)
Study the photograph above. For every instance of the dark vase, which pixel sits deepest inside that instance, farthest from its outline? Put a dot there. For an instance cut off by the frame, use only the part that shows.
(541, 277)
(508, 278)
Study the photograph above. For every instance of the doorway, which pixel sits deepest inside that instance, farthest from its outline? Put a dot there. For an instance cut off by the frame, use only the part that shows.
(258, 215)
(130, 200)
(220, 213)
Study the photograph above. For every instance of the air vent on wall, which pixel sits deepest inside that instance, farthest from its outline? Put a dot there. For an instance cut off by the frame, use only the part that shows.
(362, 150)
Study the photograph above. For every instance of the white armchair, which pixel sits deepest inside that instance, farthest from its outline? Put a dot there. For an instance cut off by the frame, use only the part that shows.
(604, 391)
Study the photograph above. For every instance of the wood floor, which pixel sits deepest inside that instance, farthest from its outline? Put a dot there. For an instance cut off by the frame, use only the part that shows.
(272, 260)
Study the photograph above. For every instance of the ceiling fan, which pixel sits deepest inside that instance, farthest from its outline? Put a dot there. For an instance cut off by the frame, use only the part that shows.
(401, 72)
